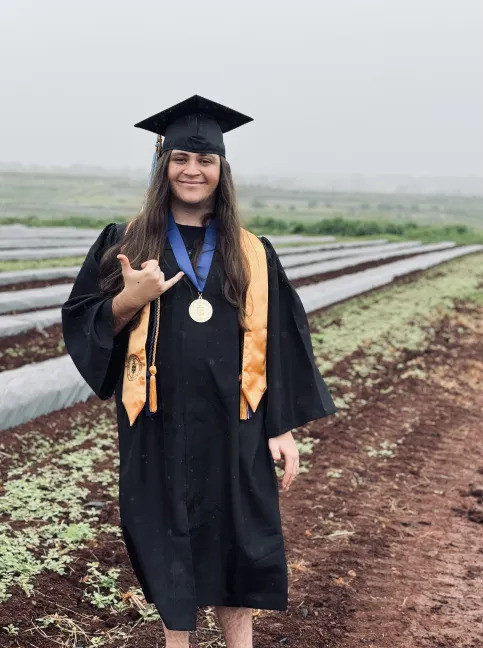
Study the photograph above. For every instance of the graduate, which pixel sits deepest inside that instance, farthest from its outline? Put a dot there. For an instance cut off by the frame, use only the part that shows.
(190, 321)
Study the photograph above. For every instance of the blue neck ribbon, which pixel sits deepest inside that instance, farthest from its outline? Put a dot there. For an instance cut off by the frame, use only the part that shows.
(181, 255)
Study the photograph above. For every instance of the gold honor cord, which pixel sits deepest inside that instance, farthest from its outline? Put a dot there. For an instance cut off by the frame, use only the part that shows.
(153, 397)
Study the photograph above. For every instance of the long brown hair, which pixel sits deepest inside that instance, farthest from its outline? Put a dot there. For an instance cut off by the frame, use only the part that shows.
(146, 238)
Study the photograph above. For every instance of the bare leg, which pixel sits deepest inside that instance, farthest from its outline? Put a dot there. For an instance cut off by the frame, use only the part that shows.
(237, 626)
(176, 638)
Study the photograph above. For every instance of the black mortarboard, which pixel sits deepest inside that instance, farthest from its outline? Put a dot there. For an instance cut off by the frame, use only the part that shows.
(195, 124)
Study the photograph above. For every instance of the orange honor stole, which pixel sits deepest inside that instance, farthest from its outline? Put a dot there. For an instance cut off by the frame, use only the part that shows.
(253, 377)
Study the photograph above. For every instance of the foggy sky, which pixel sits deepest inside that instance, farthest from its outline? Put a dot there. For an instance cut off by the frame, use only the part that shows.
(338, 86)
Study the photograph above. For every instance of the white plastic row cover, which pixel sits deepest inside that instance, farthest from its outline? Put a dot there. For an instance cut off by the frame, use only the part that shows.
(18, 300)
(19, 276)
(304, 271)
(66, 386)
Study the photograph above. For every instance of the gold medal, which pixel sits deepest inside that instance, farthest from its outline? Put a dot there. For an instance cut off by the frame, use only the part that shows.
(200, 309)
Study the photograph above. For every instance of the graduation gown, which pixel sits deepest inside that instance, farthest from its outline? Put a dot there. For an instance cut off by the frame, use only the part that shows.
(198, 492)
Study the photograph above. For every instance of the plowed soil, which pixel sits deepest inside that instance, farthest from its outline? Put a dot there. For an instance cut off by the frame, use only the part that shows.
(406, 568)
(31, 346)
(36, 283)
(383, 534)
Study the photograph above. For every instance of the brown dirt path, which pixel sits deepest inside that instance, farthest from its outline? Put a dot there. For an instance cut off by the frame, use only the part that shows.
(407, 567)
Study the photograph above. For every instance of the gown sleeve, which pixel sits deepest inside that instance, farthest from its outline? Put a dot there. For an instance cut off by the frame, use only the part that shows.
(87, 324)
(296, 392)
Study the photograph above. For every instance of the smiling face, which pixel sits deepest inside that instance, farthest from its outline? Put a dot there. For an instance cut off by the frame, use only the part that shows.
(193, 177)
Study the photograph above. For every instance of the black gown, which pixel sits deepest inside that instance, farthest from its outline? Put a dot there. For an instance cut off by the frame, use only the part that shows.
(198, 492)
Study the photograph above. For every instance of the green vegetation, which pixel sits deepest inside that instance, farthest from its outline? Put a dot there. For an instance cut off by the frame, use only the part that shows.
(48, 488)
(103, 591)
(102, 588)
(78, 200)
(66, 221)
(51, 199)
(31, 264)
(19, 350)
(311, 206)
(390, 321)
(385, 449)
(353, 228)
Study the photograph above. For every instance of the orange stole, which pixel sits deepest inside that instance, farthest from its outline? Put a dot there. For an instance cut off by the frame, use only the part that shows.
(253, 377)
(134, 379)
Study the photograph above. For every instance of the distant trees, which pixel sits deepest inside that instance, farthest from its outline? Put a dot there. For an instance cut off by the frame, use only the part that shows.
(339, 226)
(257, 204)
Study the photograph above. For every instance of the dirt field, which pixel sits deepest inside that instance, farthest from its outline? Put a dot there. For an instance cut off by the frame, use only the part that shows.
(31, 346)
(405, 564)
(383, 534)
(383, 530)
(39, 283)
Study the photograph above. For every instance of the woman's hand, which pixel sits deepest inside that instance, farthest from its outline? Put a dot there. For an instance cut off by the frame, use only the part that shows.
(142, 286)
(284, 445)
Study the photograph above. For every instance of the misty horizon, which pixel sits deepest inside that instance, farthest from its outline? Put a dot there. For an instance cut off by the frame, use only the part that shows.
(366, 89)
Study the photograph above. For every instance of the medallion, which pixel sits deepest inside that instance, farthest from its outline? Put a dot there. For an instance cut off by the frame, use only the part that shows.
(200, 310)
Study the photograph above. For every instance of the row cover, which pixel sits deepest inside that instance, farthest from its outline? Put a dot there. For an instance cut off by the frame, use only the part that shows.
(65, 386)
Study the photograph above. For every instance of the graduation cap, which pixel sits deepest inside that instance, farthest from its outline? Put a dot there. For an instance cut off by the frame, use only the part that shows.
(195, 124)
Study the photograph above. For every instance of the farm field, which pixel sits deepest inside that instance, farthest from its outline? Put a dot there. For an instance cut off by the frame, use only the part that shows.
(381, 482)
(37, 345)
(341, 273)
(382, 526)
(91, 200)
(324, 272)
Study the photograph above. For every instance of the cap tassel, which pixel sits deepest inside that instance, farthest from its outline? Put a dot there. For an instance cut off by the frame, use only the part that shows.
(153, 397)
(156, 155)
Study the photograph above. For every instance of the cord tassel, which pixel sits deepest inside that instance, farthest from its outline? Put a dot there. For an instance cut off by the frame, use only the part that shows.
(153, 397)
